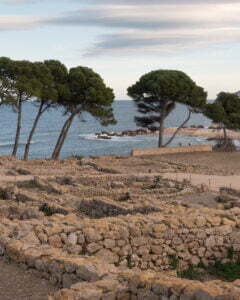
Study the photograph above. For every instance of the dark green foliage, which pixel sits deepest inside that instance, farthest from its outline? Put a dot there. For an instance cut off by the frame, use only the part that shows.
(19, 82)
(226, 111)
(86, 92)
(3, 195)
(226, 145)
(130, 263)
(52, 76)
(50, 85)
(48, 91)
(6, 66)
(50, 211)
(157, 93)
(228, 271)
(59, 78)
(191, 273)
(46, 210)
(125, 197)
(230, 253)
(215, 112)
(173, 261)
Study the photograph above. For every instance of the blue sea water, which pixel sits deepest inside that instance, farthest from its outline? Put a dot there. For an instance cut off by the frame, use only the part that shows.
(81, 139)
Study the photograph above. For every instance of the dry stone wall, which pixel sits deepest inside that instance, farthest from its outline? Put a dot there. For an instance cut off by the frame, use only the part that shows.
(145, 242)
(88, 256)
(138, 286)
(23, 247)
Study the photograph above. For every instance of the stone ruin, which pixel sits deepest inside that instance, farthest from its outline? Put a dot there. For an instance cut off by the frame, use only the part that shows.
(111, 236)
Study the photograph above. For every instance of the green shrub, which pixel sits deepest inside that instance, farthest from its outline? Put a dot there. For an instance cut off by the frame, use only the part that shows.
(225, 146)
(173, 261)
(192, 273)
(228, 271)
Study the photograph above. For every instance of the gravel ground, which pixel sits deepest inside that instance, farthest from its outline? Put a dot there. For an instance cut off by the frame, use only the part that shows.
(225, 163)
(213, 182)
(18, 284)
(207, 199)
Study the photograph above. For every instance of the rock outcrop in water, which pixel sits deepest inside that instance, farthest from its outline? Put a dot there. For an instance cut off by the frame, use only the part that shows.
(154, 130)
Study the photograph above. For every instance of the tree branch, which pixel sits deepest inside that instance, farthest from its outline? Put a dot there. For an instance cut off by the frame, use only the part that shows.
(179, 128)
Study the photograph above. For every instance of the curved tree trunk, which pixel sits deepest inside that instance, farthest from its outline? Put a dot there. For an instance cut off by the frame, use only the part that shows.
(63, 136)
(18, 131)
(35, 123)
(161, 127)
(59, 139)
(179, 128)
(225, 134)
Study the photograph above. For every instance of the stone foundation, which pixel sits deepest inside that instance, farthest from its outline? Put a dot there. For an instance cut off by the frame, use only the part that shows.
(138, 286)
(116, 236)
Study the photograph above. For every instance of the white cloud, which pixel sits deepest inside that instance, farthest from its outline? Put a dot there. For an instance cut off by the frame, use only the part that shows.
(156, 28)
(18, 22)
(145, 28)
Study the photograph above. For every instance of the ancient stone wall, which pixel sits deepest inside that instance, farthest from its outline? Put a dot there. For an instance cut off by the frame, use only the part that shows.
(23, 247)
(138, 286)
(73, 253)
(146, 241)
(172, 150)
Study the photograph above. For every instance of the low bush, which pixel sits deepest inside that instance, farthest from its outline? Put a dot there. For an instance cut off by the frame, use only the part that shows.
(223, 145)
(227, 269)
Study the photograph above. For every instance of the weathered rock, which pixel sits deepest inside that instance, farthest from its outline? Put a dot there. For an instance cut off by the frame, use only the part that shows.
(107, 256)
(55, 241)
(72, 239)
(92, 235)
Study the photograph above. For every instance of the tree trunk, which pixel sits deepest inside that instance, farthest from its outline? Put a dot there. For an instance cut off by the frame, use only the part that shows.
(178, 129)
(59, 139)
(63, 136)
(161, 127)
(38, 116)
(225, 135)
(19, 122)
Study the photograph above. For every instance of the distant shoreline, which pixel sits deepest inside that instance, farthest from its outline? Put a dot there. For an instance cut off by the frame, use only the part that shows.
(193, 131)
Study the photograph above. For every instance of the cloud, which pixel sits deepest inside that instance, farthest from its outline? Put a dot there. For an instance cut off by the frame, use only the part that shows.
(134, 2)
(162, 2)
(167, 43)
(147, 18)
(152, 26)
(18, 22)
(18, 1)
(166, 28)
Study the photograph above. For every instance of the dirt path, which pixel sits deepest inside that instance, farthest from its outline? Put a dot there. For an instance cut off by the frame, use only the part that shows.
(17, 284)
(4, 178)
(213, 181)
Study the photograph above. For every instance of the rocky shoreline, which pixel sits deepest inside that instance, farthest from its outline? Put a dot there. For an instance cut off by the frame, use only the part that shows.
(212, 132)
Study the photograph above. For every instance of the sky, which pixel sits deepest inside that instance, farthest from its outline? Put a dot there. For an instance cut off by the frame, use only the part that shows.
(124, 39)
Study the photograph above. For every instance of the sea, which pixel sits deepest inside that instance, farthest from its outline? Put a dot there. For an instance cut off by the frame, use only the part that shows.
(81, 139)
